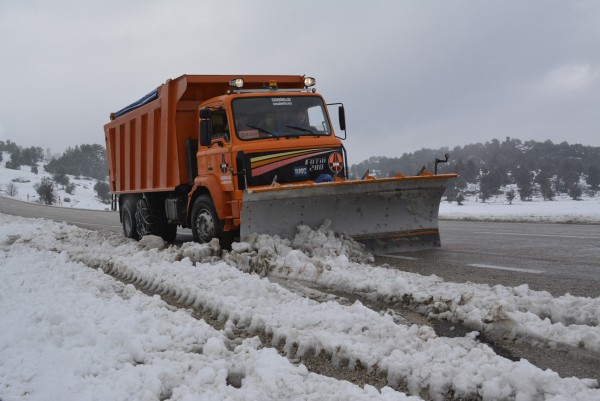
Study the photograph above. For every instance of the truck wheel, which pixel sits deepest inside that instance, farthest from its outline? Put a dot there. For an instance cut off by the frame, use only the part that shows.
(143, 218)
(205, 221)
(128, 218)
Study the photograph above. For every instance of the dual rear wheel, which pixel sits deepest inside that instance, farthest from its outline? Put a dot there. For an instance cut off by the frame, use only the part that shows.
(140, 218)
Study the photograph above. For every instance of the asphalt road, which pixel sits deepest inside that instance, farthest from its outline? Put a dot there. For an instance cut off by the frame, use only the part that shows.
(559, 258)
(86, 218)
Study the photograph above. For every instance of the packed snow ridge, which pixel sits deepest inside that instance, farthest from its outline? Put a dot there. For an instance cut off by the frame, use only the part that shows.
(74, 332)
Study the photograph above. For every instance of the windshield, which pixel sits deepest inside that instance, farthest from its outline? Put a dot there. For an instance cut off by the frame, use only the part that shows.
(280, 116)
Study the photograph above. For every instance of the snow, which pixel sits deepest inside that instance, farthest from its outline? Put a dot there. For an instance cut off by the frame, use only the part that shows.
(70, 331)
(83, 197)
(562, 209)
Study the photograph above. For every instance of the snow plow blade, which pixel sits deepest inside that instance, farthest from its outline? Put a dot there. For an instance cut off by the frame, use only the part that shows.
(386, 215)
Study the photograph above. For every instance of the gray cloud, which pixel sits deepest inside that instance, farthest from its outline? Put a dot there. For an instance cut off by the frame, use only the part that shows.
(411, 74)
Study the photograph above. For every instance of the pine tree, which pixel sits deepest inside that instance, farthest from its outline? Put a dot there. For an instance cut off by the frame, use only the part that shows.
(102, 190)
(575, 192)
(45, 190)
(545, 186)
(593, 178)
(524, 181)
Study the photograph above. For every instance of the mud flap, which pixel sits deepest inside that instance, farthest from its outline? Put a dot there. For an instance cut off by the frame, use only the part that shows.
(388, 215)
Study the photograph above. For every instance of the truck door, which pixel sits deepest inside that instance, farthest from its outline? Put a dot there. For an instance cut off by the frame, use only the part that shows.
(217, 155)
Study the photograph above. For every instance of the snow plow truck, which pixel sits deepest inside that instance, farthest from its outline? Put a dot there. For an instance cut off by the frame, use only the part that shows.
(227, 156)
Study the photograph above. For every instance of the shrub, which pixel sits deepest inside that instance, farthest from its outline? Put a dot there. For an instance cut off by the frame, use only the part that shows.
(102, 190)
(45, 190)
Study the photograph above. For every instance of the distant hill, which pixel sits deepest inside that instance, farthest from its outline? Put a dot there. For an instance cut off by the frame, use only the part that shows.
(537, 168)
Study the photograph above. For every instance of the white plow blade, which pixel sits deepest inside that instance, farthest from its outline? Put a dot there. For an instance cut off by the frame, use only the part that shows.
(387, 215)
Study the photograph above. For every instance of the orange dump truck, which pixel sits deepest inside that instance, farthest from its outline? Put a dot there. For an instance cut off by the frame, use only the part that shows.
(227, 156)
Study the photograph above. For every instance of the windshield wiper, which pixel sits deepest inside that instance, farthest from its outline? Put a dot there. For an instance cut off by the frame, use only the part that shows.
(303, 129)
(270, 134)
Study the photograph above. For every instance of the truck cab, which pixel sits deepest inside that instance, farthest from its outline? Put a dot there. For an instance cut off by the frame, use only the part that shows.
(252, 138)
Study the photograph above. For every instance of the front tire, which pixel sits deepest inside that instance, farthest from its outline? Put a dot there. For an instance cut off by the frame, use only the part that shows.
(205, 221)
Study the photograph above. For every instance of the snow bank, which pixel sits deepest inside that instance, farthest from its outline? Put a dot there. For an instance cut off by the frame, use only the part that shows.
(503, 311)
(71, 332)
(411, 355)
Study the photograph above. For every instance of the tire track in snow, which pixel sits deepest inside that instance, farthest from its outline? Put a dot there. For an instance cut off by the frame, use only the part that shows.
(158, 272)
(322, 363)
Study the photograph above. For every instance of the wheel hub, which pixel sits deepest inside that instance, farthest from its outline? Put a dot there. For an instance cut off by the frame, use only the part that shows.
(205, 226)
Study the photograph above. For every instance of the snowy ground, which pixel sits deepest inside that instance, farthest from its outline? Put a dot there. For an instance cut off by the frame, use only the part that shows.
(71, 332)
(560, 210)
(84, 196)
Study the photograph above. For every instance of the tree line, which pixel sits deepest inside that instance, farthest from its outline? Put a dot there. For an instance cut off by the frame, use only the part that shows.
(82, 160)
(542, 168)
(20, 156)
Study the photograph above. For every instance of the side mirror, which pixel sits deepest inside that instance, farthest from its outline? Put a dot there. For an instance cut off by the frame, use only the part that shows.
(342, 118)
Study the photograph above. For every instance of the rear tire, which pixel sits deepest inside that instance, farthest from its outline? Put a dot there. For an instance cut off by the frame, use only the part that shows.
(128, 210)
(143, 218)
(205, 221)
(151, 219)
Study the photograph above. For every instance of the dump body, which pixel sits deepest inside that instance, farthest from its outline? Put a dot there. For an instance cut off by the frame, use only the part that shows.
(227, 160)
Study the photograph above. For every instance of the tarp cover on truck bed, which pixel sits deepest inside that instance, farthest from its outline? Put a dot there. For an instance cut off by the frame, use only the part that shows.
(145, 100)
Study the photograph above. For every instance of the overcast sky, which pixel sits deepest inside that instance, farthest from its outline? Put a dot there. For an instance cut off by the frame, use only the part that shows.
(412, 74)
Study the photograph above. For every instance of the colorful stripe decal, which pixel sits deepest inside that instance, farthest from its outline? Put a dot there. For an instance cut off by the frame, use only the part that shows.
(274, 165)
(274, 157)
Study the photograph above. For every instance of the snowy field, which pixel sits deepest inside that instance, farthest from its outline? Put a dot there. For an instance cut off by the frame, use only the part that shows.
(560, 210)
(72, 332)
(84, 196)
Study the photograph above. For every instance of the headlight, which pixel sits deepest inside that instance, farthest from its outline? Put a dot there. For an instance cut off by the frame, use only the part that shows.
(309, 81)
(237, 83)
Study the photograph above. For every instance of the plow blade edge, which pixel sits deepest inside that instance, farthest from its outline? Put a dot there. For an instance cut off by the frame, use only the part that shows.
(386, 215)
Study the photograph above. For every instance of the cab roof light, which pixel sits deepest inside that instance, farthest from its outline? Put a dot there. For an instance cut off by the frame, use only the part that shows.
(272, 84)
(237, 83)
(309, 81)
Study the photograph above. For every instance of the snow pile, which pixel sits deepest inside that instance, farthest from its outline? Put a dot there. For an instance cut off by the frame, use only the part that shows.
(499, 310)
(412, 356)
(71, 332)
(263, 253)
